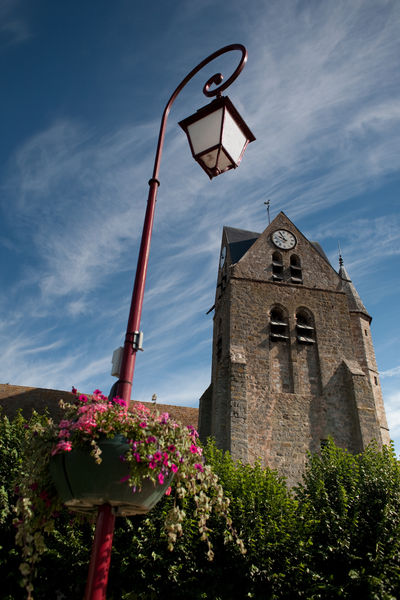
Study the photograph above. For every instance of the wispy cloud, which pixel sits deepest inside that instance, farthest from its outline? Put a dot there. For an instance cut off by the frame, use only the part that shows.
(391, 372)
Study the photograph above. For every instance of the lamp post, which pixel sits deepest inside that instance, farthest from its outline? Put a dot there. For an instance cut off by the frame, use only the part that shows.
(218, 137)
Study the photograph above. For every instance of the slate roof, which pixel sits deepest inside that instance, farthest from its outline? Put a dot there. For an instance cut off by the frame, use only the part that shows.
(14, 397)
(240, 240)
(354, 300)
(319, 249)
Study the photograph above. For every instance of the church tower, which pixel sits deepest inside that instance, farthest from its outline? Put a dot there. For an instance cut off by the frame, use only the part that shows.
(293, 361)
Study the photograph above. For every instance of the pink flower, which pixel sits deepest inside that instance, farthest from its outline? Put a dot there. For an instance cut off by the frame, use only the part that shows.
(160, 478)
(64, 433)
(120, 401)
(193, 449)
(141, 408)
(83, 398)
(151, 439)
(126, 478)
(174, 468)
(171, 448)
(193, 431)
(74, 390)
(199, 467)
(97, 392)
(137, 456)
(62, 447)
(157, 456)
(143, 424)
(168, 491)
(152, 464)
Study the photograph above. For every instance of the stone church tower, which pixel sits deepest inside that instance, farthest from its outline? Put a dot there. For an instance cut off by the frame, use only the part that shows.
(293, 360)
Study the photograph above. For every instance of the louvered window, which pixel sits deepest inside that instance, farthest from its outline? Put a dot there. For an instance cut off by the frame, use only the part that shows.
(305, 329)
(296, 275)
(279, 327)
(277, 266)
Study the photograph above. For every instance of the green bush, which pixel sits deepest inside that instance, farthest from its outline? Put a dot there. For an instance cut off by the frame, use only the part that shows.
(337, 535)
(350, 507)
(11, 440)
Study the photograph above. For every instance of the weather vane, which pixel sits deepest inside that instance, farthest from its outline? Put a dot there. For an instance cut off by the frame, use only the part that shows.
(267, 203)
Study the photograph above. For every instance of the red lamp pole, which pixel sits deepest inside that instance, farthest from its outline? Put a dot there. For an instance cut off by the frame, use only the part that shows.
(101, 550)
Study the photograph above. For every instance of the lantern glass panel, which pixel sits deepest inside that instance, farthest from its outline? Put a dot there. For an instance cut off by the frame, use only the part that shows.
(224, 162)
(233, 139)
(206, 132)
(209, 160)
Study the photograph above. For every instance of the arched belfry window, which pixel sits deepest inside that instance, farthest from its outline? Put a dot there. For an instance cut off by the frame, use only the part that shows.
(279, 326)
(296, 275)
(305, 330)
(307, 353)
(277, 266)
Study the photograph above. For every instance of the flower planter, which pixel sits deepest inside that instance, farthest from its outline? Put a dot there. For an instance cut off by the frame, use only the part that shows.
(84, 485)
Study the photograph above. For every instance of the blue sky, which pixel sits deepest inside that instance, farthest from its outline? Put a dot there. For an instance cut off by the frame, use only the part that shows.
(84, 84)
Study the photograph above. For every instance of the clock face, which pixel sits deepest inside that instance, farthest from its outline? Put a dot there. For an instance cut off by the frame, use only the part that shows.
(283, 239)
(222, 257)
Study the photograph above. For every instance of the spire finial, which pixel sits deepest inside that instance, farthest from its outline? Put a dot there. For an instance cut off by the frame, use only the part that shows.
(340, 256)
(267, 203)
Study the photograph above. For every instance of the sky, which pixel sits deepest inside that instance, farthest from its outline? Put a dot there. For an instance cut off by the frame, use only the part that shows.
(84, 84)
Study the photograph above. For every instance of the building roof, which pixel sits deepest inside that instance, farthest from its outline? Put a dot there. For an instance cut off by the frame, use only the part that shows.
(15, 397)
(354, 300)
(240, 240)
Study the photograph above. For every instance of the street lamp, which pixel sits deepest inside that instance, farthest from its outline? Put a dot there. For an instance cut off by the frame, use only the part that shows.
(218, 137)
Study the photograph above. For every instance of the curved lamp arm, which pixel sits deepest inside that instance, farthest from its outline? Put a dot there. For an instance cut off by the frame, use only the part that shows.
(215, 79)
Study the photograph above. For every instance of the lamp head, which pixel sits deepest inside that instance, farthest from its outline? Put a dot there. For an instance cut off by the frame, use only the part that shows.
(218, 136)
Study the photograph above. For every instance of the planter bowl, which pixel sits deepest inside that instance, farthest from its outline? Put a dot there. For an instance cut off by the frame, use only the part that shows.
(83, 485)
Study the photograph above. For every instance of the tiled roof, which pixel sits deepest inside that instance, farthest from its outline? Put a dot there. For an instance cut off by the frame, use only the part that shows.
(14, 397)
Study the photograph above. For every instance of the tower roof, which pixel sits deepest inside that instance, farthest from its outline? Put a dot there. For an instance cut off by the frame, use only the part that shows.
(239, 241)
(354, 300)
